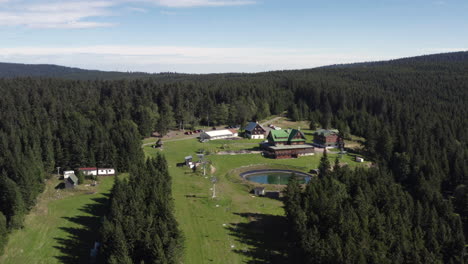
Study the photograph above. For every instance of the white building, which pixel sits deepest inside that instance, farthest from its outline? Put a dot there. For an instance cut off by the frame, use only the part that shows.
(67, 174)
(96, 171)
(218, 134)
(359, 159)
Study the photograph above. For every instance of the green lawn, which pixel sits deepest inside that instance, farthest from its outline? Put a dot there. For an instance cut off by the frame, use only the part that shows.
(61, 228)
(252, 225)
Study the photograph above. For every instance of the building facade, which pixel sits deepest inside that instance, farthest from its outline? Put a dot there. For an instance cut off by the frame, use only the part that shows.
(218, 134)
(97, 171)
(325, 138)
(254, 130)
(286, 143)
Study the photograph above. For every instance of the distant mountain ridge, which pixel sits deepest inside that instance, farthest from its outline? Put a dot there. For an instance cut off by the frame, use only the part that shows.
(451, 57)
(13, 70)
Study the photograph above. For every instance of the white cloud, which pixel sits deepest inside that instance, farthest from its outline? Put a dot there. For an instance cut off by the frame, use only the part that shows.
(200, 3)
(83, 13)
(71, 14)
(173, 58)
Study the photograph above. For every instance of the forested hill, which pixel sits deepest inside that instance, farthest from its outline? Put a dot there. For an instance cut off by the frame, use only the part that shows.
(442, 59)
(13, 70)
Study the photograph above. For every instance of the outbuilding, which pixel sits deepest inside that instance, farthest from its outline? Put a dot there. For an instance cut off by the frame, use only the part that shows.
(97, 171)
(259, 191)
(71, 181)
(218, 134)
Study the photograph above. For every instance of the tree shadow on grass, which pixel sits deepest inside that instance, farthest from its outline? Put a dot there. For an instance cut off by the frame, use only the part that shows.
(75, 248)
(264, 237)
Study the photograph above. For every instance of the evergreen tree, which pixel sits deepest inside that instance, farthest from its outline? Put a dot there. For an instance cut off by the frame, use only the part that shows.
(324, 166)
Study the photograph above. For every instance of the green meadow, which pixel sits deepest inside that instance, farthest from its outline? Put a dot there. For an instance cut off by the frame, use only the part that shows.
(233, 227)
(62, 227)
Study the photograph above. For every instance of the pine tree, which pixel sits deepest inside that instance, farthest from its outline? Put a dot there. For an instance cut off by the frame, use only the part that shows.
(324, 166)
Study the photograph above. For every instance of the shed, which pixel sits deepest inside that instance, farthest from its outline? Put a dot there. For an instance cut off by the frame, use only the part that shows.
(259, 191)
(188, 160)
(359, 159)
(71, 181)
(158, 144)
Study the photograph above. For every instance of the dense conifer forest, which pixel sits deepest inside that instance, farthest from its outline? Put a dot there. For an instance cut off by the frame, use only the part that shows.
(412, 207)
(140, 226)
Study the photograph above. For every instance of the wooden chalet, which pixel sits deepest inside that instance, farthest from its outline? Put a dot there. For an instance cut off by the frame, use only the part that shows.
(286, 143)
(327, 138)
(254, 130)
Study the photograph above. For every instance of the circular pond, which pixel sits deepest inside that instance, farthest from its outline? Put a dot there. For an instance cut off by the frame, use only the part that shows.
(274, 176)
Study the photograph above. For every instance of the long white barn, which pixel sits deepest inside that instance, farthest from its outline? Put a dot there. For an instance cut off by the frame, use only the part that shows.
(96, 171)
(218, 134)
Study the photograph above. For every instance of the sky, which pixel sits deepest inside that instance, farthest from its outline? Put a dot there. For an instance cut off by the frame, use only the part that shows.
(212, 36)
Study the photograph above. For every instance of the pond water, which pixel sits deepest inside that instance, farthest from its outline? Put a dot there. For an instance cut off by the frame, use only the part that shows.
(274, 177)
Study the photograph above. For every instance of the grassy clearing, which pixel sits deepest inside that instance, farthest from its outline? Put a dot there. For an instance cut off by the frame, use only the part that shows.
(252, 225)
(62, 227)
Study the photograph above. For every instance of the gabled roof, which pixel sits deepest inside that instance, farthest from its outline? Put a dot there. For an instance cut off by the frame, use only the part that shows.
(250, 126)
(73, 178)
(286, 135)
(279, 135)
(87, 169)
(93, 169)
(219, 133)
(293, 133)
(326, 132)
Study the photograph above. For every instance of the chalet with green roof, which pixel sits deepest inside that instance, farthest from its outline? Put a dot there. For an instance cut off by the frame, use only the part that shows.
(286, 137)
(286, 143)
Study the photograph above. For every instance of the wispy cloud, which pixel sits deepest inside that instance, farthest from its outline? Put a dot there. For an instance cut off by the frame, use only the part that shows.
(71, 14)
(84, 13)
(200, 3)
(138, 9)
(178, 58)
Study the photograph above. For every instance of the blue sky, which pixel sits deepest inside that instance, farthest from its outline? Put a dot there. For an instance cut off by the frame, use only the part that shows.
(202, 36)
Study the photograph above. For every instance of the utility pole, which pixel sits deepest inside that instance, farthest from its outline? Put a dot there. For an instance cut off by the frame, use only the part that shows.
(213, 180)
(58, 171)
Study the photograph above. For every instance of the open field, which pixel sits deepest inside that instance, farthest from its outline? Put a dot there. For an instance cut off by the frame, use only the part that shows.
(62, 227)
(234, 227)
